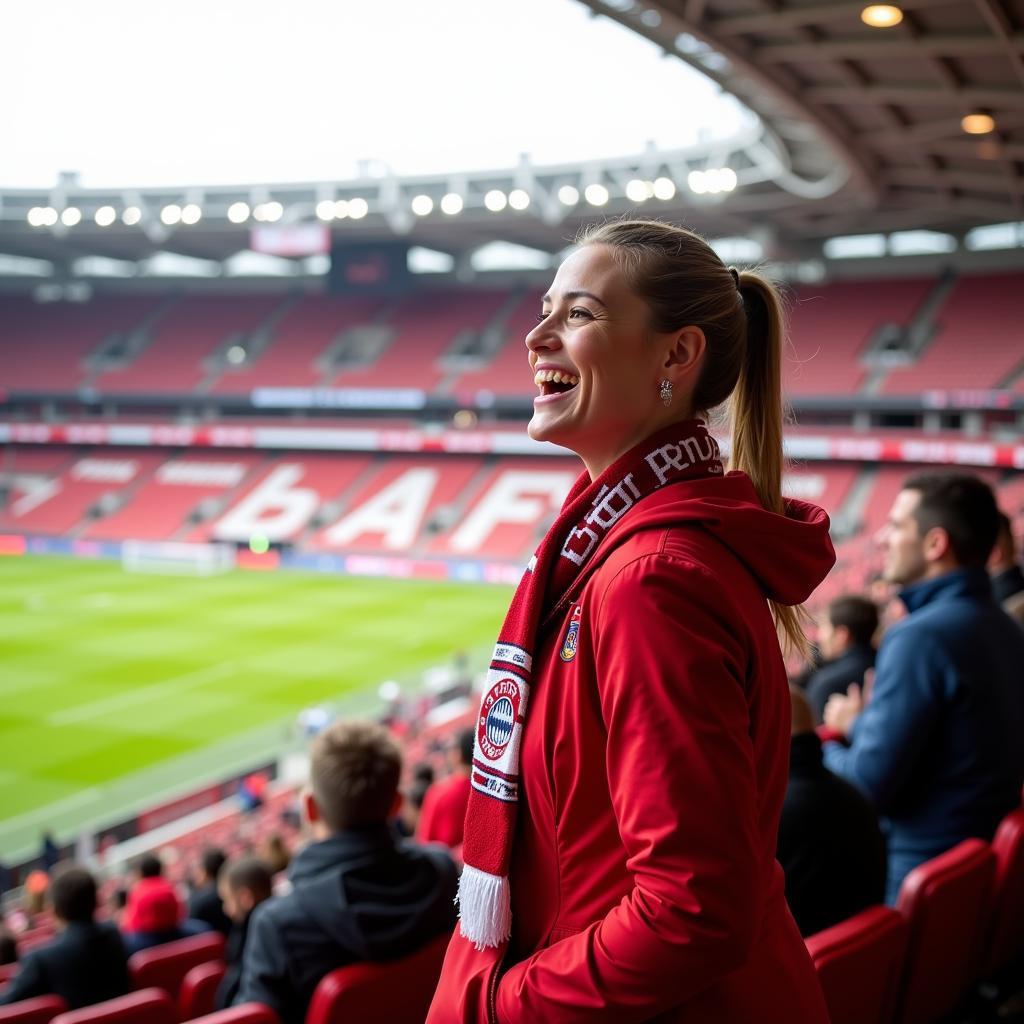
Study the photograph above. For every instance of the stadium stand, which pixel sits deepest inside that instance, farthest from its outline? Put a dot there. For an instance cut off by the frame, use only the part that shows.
(165, 966)
(1005, 939)
(198, 993)
(148, 1006)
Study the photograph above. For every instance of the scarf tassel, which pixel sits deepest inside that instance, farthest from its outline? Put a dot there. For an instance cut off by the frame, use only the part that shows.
(485, 907)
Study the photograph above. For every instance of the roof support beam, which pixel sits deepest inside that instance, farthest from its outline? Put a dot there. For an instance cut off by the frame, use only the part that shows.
(865, 48)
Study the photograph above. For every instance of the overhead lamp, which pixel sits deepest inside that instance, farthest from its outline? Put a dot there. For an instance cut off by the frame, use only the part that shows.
(978, 123)
(697, 182)
(171, 214)
(341, 209)
(325, 209)
(238, 213)
(422, 205)
(191, 214)
(881, 15)
(70, 216)
(568, 195)
(105, 216)
(451, 204)
(358, 208)
(519, 199)
(727, 179)
(596, 195)
(495, 200)
(664, 188)
(42, 216)
(638, 191)
(131, 215)
(268, 212)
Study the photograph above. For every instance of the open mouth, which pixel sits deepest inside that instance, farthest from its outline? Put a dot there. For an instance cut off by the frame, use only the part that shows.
(552, 383)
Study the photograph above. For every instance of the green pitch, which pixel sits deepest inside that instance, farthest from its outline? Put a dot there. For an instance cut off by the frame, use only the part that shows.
(115, 687)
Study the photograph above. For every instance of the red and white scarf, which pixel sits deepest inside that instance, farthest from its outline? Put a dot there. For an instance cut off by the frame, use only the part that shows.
(681, 451)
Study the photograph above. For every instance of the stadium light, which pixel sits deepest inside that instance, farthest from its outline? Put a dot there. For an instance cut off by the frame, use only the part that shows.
(978, 123)
(568, 195)
(664, 188)
(697, 182)
(268, 212)
(596, 195)
(70, 216)
(519, 199)
(131, 215)
(451, 204)
(358, 208)
(341, 209)
(105, 216)
(325, 209)
(42, 216)
(727, 178)
(191, 214)
(171, 214)
(495, 200)
(422, 205)
(881, 15)
(639, 191)
(238, 213)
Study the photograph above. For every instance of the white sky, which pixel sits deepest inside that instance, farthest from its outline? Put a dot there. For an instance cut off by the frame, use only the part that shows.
(133, 92)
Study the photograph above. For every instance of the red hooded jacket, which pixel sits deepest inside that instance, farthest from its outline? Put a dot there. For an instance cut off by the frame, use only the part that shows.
(654, 764)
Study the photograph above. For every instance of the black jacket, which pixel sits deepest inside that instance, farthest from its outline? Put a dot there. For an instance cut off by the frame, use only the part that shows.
(836, 675)
(359, 895)
(233, 954)
(830, 845)
(85, 964)
(1007, 583)
(204, 905)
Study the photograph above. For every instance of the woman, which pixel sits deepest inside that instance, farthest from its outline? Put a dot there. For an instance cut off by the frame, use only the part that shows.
(631, 752)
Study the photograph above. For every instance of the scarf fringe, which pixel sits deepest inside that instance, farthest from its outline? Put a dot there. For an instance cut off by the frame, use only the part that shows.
(485, 907)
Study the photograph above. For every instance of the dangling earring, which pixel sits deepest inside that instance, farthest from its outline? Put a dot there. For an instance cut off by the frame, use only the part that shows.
(666, 391)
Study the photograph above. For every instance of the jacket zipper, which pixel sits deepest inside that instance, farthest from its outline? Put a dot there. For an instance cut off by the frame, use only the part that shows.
(492, 988)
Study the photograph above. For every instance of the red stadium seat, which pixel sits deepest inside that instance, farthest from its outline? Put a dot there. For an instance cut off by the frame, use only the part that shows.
(946, 904)
(247, 1013)
(150, 1006)
(7, 971)
(1006, 935)
(398, 992)
(165, 966)
(198, 993)
(859, 963)
(40, 1010)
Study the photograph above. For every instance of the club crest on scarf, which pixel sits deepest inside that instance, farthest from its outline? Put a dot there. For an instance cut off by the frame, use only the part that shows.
(591, 509)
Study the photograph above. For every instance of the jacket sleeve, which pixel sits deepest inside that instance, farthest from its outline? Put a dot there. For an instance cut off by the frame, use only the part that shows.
(28, 982)
(264, 976)
(671, 666)
(893, 729)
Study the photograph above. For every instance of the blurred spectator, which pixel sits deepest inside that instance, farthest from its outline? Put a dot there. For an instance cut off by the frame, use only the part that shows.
(274, 853)
(1007, 578)
(444, 806)
(87, 962)
(32, 911)
(244, 884)
(937, 748)
(116, 903)
(830, 845)
(50, 852)
(845, 639)
(204, 904)
(407, 821)
(252, 791)
(357, 893)
(8, 945)
(154, 913)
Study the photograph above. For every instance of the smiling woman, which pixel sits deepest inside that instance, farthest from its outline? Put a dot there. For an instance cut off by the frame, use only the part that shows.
(639, 669)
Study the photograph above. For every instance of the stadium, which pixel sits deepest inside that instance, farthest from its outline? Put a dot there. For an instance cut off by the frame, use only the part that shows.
(265, 462)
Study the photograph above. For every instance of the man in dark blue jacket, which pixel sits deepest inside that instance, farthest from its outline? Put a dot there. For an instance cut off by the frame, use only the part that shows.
(938, 748)
(357, 892)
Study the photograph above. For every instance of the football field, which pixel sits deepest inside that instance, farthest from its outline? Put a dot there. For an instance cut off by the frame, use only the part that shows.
(117, 688)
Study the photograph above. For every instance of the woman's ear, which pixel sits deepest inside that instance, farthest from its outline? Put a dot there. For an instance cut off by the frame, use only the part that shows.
(686, 350)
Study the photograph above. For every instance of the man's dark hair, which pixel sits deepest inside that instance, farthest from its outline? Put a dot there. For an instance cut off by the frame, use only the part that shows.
(354, 771)
(212, 861)
(962, 505)
(250, 873)
(73, 892)
(149, 866)
(857, 614)
(464, 742)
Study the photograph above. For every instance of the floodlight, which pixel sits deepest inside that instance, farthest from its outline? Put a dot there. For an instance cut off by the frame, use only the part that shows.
(325, 209)
(238, 213)
(881, 15)
(268, 212)
(596, 195)
(70, 216)
(422, 205)
(358, 208)
(341, 209)
(697, 182)
(568, 195)
(495, 200)
(105, 216)
(638, 191)
(727, 179)
(519, 199)
(451, 204)
(171, 214)
(712, 180)
(664, 188)
(191, 214)
(978, 124)
(131, 216)
(39, 216)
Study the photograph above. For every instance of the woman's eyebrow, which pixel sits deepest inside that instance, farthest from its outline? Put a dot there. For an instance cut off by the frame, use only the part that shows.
(576, 295)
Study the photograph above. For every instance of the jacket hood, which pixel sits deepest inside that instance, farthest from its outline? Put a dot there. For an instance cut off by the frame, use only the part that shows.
(374, 896)
(789, 554)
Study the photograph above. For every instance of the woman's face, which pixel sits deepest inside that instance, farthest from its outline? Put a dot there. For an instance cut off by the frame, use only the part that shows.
(595, 332)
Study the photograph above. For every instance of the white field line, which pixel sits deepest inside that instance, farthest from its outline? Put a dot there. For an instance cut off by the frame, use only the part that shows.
(142, 695)
(86, 796)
